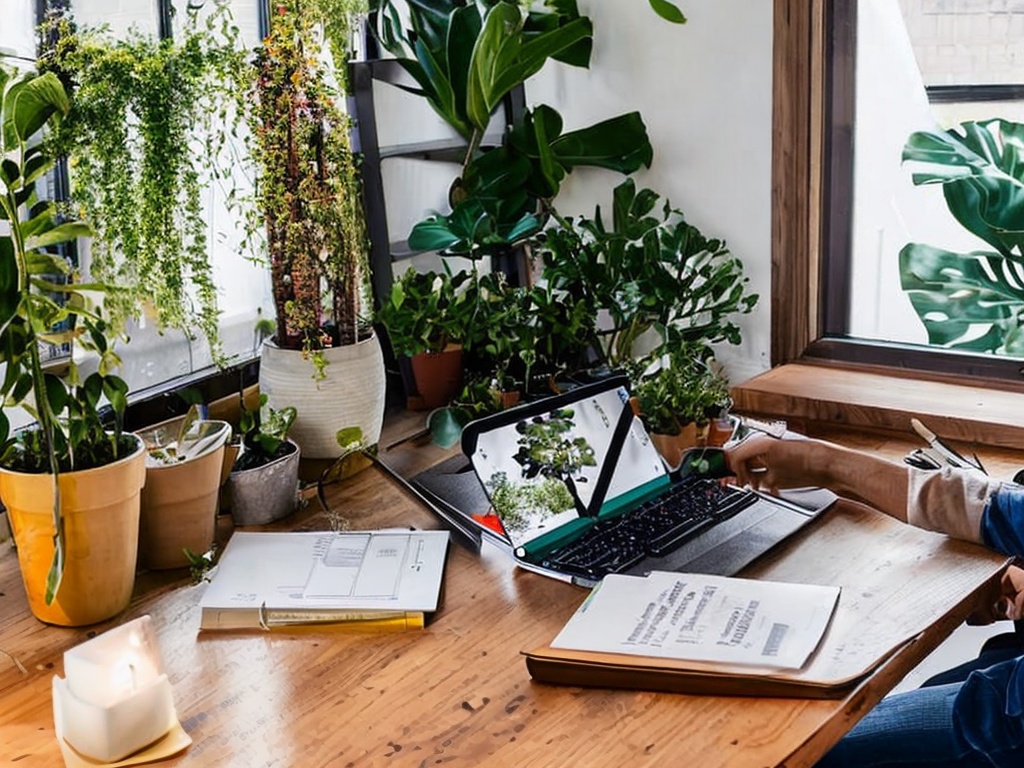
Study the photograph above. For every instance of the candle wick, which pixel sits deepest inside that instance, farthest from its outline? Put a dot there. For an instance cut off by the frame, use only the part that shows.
(131, 669)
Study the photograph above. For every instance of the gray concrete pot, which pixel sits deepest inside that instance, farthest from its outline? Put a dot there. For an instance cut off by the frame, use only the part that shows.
(264, 494)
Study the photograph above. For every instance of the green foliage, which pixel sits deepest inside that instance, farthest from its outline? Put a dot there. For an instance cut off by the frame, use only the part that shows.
(683, 387)
(517, 503)
(652, 271)
(42, 303)
(465, 58)
(972, 301)
(308, 195)
(423, 313)
(668, 11)
(145, 134)
(264, 434)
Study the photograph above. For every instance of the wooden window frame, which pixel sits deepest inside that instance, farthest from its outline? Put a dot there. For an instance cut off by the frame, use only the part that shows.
(812, 152)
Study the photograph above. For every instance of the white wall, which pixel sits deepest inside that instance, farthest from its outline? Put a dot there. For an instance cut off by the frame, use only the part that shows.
(704, 90)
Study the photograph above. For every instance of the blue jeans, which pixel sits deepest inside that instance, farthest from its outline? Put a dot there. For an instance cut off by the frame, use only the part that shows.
(907, 729)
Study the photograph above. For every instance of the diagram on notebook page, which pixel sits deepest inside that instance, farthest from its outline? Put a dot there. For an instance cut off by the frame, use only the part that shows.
(544, 472)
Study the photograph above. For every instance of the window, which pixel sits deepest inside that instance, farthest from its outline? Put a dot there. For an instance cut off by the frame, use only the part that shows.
(853, 80)
(153, 358)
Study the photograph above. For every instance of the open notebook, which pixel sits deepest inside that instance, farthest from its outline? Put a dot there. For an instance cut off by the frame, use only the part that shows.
(574, 488)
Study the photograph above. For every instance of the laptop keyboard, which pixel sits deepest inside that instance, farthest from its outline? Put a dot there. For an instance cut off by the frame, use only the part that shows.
(651, 530)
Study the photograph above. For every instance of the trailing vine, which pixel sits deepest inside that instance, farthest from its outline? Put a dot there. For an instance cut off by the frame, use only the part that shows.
(308, 191)
(148, 121)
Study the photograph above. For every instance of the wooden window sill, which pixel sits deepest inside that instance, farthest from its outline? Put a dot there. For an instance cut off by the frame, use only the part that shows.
(814, 398)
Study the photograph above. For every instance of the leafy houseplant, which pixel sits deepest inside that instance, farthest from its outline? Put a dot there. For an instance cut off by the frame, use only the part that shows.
(264, 479)
(308, 192)
(309, 204)
(42, 304)
(652, 272)
(957, 294)
(683, 389)
(147, 125)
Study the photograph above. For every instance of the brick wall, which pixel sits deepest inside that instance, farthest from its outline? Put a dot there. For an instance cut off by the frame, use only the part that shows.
(967, 42)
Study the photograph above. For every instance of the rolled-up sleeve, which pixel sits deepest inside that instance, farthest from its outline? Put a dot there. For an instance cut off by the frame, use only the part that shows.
(949, 500)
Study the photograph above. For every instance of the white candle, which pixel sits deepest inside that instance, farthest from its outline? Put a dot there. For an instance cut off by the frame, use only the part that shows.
(115, 699)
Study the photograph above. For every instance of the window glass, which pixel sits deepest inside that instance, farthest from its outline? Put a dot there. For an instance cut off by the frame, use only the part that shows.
(920, 65)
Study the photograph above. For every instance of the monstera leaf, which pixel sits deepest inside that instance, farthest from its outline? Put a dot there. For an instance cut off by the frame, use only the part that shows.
(971, 301)
(982, 173)
(967, 301)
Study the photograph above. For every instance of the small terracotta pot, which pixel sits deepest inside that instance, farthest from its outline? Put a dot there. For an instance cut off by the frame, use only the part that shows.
(438, 376)
(671, 447)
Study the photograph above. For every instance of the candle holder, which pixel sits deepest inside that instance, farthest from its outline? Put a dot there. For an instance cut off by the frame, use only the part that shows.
(115, 698)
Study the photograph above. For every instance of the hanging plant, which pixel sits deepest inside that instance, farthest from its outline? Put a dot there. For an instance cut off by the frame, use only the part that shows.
(148, 120)
(308, 196)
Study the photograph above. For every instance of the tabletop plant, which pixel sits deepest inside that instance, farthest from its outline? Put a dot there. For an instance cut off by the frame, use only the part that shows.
(679, 389)
(264, 433)
(425, 311)
(146, 134)
(308, 195)
(42, 304)
(971, 301)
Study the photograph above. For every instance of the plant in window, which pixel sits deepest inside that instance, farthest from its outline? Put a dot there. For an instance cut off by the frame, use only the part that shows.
(76, 531)
(148, 121)
(972, 301)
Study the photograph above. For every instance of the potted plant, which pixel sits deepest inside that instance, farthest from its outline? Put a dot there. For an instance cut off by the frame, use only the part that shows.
(185, 468)
(264, 479)
(147, 124)
(425, 322)
(679, 398)
(659, 281)
(71, 485)
(324, 357)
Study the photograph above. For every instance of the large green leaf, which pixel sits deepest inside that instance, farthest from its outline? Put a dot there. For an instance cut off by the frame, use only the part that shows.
(29, 104)
(10, 296)
(982, 173)
(965, 300)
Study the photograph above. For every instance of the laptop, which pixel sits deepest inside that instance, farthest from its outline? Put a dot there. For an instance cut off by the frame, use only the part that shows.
(573, 488)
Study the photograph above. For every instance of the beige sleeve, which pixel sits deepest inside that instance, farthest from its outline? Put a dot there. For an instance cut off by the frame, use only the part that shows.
(949, 500)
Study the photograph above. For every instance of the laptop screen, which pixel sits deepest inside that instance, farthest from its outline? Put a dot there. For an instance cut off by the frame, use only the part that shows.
(551, 466)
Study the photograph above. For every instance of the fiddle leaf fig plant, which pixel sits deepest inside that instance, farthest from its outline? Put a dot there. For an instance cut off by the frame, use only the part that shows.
(42, 304)
(971, 301)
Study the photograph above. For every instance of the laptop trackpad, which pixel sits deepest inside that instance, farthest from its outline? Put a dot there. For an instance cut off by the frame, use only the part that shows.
(727, 547)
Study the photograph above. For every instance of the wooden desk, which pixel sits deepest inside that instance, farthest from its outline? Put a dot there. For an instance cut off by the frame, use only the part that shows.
(457, 693)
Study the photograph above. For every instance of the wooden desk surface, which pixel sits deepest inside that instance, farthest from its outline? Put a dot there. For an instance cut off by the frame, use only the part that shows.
(456, 693)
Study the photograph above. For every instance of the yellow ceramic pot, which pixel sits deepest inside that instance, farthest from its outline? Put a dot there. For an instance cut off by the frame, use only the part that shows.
(101, 532)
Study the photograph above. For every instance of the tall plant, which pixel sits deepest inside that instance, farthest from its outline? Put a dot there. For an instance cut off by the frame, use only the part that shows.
(972, 301)
(42, 303)
(148, 121)
(307, 186)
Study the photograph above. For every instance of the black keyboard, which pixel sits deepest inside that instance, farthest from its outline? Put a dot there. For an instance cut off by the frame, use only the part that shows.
(654, 528)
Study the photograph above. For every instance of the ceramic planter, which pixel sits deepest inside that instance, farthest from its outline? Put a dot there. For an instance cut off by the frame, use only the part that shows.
(352, 394)
(264, 494)
(179, 507)
(438, 376)
(101, 530)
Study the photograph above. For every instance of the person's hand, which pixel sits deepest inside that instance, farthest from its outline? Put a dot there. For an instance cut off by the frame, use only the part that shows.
(1009, 601)
(768, 463)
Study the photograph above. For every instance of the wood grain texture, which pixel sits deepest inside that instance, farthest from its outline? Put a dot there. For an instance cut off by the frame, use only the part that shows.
(456, 693)
(814, 397)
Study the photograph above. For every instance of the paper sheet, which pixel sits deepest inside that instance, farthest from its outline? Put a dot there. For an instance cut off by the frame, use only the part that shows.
(697, 617)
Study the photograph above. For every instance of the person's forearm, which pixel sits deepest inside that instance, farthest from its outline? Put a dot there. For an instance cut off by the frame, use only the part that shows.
(878, 482)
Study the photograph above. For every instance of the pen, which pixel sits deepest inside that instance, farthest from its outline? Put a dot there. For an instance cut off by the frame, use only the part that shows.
(366, 621)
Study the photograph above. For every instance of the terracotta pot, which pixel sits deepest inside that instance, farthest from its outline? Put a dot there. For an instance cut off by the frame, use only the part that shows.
(671, 447)
(351, 395)
(101, 536)
(438, 376)
(179, 508)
